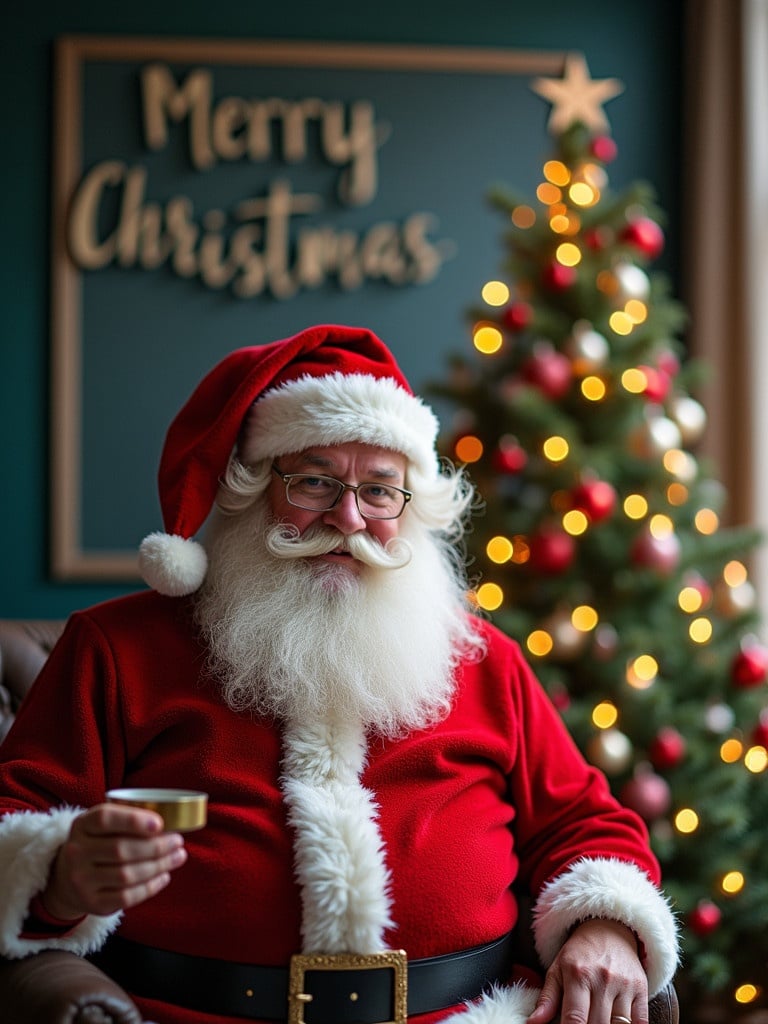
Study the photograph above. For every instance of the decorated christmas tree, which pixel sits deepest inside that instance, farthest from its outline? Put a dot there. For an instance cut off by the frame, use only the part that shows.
(600, 547)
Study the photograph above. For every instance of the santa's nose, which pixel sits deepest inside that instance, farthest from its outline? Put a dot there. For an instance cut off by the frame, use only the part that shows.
(345, 516)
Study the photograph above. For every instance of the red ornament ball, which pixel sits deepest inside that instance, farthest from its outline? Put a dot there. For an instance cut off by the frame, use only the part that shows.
(759, 735)
(668, 362)
(750, 666)
(604, 148)
(597, 498)
(518, 316)
(548, 370)
(558, 277)
(660, 553)
(667, 749)
(551, 551)
(509, 457)
(704, 918)
(598, 239)
(657, 383)
(645, 236)
(647, 794)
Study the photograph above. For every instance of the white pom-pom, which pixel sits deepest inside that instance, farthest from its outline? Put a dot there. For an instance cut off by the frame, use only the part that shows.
(172, 565)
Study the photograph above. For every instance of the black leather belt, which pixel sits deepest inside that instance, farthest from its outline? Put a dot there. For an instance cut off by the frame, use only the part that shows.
(315, 990)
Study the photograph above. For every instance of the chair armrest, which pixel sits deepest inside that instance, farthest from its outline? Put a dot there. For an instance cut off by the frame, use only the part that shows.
(663, 1008)
(57, 987)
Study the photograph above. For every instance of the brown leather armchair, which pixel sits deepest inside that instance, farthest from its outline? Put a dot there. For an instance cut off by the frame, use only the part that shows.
(56, 987)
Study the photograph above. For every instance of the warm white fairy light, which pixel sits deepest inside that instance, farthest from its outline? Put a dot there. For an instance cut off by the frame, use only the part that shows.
(495, 293)
(555, 448)
(490, 596)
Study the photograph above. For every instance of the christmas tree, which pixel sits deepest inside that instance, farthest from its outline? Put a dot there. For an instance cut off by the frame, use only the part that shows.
(600, 546)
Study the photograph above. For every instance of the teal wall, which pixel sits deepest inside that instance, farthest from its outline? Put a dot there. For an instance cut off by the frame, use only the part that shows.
(638, 41)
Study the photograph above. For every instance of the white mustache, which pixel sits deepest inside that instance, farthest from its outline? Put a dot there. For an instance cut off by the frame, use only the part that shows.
(285, 541)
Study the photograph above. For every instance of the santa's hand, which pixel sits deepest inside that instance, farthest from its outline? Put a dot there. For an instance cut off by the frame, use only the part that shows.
(114, 858)
(596, 978)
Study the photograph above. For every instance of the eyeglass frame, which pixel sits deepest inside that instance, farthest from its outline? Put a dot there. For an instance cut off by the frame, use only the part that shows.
(288, 477)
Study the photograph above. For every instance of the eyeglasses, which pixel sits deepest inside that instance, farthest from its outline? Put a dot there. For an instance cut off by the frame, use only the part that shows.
(322, 493)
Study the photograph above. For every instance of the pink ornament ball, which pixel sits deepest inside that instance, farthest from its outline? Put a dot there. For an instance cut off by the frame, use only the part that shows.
(604, 148)
(661, 554)
(509, 458)
(548, 370)
(647, 794)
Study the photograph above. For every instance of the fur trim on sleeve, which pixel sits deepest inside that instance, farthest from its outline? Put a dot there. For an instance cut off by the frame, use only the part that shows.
(502, 1004)
(619, 891)
(28, 844)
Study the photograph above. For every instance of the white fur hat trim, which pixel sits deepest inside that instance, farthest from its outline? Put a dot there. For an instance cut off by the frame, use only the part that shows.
(312, 411)
(615, 890)
(29, 841)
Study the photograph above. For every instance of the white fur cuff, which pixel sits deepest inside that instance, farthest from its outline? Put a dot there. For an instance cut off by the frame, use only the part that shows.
(503, 1004)
(615, 890)
(28, 844)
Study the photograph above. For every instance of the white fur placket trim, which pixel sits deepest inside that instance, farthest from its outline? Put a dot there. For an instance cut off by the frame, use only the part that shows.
(616, 890)
(502, 1004)
(339, 852)
(29, 841)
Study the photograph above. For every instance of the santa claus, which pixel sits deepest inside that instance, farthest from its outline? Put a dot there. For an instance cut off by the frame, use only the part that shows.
(384, 773)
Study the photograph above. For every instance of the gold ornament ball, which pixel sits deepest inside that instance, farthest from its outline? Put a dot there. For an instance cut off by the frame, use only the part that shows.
(631, 282)
(733, 601)
(567, 641)
(655, 437)
(690, 417)
(610, 750)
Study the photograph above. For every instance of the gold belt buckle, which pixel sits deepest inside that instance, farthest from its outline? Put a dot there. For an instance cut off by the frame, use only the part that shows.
(394, 960)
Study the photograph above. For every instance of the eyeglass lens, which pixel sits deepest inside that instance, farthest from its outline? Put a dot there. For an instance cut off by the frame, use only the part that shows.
(320, 493)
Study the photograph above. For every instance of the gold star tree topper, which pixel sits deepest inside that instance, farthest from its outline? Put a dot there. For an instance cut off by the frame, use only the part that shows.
(577, 97)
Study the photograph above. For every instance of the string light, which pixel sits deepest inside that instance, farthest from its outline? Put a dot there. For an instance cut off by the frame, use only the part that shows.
(540, 643)
(605, 715)
(521, 549)
(642, 672)
(706, 521)
(735, 573)
(756, 759)
(468, 449)
(568, 254)
(557, 172)
(732, 883)
(575, 522)
(490, 596)
(635, 506)
(746, 993)
(584, 618)
(555, 448)
(686, 821)
(634, 381)
(637, 311)
(593, 388)
(677, 494)
(731, 750)
(495, 293)
(548, 194)
(487, 339)
(499, 549)
(690, 599)
(622, 325)
(700, 630)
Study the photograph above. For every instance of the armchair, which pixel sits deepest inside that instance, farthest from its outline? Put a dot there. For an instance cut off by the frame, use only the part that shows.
(57, 987)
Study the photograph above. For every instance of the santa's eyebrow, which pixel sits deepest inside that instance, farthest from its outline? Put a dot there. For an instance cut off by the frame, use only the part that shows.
(380, 472)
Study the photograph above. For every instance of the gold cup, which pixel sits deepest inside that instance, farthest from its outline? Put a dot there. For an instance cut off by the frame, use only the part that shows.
(182, 810)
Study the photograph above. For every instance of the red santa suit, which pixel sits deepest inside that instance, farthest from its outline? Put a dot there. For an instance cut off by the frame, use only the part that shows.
(320, 838)
(434, 829)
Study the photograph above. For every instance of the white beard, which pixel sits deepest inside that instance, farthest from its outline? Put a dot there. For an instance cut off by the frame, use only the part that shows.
(297, 640)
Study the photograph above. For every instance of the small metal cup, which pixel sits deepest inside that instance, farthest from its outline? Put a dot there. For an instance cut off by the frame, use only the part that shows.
(182, 810)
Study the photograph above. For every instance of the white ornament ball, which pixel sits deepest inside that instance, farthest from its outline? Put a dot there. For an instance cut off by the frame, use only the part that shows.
(690, 416)
(632, 282)
(719, 718)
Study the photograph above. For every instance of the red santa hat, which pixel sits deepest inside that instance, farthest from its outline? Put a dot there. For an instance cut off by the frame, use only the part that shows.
(327, 385)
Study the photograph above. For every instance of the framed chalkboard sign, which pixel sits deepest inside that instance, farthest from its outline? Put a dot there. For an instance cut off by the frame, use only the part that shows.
(213, 194)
